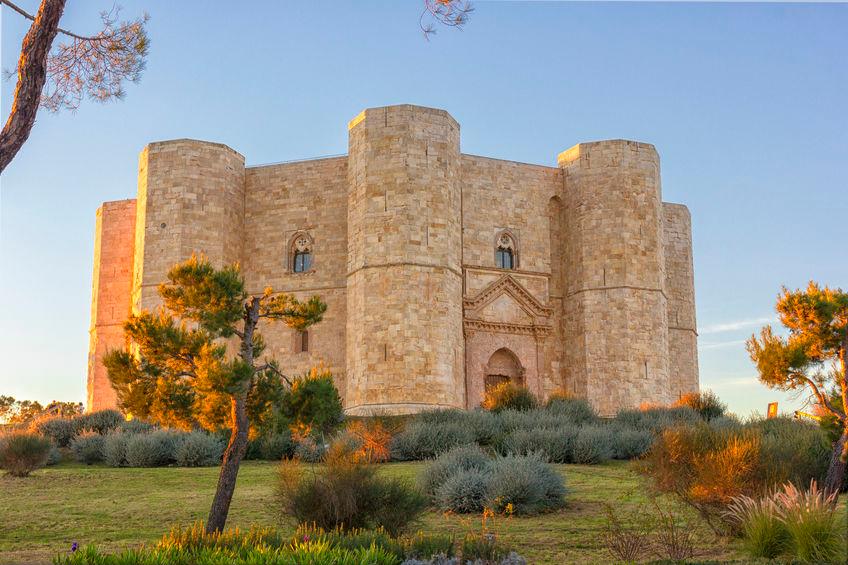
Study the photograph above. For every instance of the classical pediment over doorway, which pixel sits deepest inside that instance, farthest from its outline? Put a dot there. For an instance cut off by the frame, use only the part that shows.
(505, 306)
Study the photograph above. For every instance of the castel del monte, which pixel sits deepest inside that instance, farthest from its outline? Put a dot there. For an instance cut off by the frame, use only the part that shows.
(443, 272)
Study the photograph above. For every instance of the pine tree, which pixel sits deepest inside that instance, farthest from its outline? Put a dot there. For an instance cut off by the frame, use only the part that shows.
(812, 357)
(182, 368)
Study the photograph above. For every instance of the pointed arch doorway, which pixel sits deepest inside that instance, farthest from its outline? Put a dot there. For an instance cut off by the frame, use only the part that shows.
(503, 366)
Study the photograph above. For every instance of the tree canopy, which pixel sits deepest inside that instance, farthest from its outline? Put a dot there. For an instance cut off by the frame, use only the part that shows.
(198, 360)
(812, 357)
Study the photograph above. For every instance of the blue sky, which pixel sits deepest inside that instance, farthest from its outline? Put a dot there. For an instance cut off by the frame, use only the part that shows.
(746, 104)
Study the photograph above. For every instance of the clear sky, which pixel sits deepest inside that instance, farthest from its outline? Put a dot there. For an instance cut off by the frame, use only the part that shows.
(745, 103)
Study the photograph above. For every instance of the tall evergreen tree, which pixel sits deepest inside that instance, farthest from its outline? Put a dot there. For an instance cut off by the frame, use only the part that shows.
(812, 357)
(198, 360)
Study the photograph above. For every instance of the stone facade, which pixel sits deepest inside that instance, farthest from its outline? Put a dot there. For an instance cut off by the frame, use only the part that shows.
(443, 272)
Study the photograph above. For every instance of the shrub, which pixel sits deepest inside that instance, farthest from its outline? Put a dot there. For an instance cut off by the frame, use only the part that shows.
(347, 494)
(373, 438)
(816, 529)
(136, 426)
(464, 492)
(704, 467)
(555, 445)
(657, 419)
(706, 403)
(625, 543)
(276, 446)
(508, 395)
(791, 451)
(312, 552)
(310, 449)
(115, 448)
(630, 443)
(764, 535)
(21, 453)
(526, 483)
(593, 444)
(575, 410)
(155, 449)
(60, 430)
(198, 449)
(458, 459)
(313, 402)
(395, 504)
(87, 447)
(54, 457)
(422, 440)
(422, 546)
(102, 421)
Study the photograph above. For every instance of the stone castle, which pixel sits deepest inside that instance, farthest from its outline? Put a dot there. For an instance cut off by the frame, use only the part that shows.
(444, 273)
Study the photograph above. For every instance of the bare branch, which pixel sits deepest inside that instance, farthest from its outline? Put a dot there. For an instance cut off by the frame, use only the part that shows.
(30, 17)
(271, 367)
(450, 13)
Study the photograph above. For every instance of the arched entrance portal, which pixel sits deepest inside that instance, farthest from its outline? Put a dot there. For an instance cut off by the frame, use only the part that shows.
(503, 366)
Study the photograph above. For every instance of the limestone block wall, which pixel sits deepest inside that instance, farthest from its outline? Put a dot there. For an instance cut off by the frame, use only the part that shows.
(404, 337)
(615, 303)
(506, 195)
(403, 233)
(190, 199)
(110, 302)
(680, 288)
(282, 201)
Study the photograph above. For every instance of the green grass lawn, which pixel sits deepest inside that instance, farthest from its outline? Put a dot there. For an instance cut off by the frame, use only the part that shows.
(118, 508)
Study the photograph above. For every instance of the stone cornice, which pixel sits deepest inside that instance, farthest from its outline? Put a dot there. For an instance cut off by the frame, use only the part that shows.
(504, 327)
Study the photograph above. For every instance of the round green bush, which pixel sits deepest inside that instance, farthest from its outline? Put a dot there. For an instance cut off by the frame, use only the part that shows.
(508, 395)
(422, 440)
(574, 410)
(155, 449)
(54, 457)
(593, 444)
(87, 447)
(527, 483)
(198, 449)
(458, 459)
(706, 403)
(21, 453)
(629, 443)
(136, 426)
(102, 421)
(115, 448)
(276, 446)
(60, 430)
(555, 445)
(464, 492)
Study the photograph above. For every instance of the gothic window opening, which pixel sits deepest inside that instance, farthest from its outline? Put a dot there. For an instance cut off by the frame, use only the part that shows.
(301, 253)
(505, 253)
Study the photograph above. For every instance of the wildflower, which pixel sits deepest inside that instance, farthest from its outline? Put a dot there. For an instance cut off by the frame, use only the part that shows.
(74, 547)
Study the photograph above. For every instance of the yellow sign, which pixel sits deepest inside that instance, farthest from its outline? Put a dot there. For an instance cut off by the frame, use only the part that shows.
(772, 410)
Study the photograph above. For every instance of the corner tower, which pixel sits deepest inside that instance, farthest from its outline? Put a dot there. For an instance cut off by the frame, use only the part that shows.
(190, 199)
(615, 305)
(405, 349)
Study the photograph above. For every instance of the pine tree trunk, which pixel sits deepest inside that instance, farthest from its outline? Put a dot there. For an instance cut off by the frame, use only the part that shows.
(32, 74)
(836, 472)
(233, 455)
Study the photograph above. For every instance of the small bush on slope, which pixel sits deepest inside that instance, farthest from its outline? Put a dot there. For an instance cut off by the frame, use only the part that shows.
(22, 453)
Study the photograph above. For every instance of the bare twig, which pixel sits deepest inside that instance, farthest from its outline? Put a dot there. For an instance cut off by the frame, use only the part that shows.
(450, 13)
